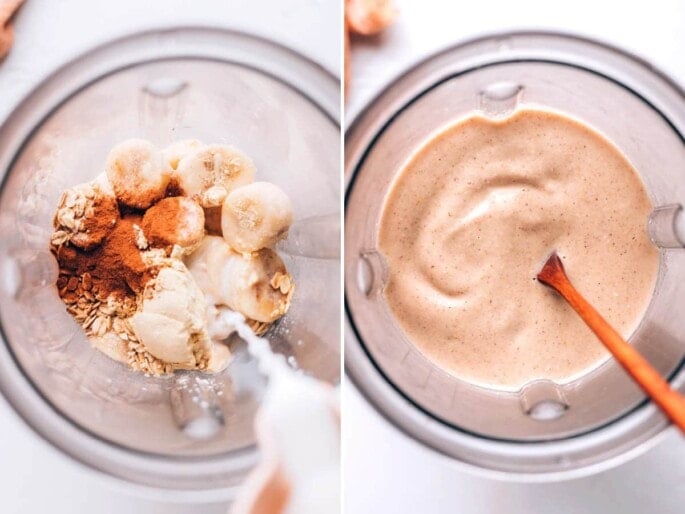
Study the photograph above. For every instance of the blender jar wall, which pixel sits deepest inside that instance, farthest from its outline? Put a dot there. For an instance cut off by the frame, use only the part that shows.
(494, 75)
(215, 86)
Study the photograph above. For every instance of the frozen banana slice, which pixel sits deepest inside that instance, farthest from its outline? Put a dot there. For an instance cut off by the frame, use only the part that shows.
(137, 173)
(256, 216)
(176, 151)
(256, 285)
(206, 264)
(213, 166)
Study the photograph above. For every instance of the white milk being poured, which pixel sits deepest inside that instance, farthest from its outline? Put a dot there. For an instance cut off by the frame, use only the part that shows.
(298, 431)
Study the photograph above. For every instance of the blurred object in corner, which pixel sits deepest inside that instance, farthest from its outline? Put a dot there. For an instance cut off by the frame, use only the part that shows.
(365, 18)
(7, 10)
(369, 17)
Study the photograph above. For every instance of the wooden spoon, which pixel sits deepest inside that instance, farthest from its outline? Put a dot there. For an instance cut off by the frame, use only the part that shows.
(671, 402)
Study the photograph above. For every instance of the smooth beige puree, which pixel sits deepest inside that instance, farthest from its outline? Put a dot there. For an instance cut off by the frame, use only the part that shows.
(472, 217)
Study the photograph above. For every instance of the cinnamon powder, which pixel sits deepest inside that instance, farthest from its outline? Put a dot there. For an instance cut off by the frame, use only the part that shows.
(161, 221)
(113, 261)
(96, 227)
(116, 267)
(174, 220)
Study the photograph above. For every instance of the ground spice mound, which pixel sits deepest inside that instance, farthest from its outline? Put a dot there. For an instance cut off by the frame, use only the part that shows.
(116, 267)
(175, 220)
(97, 226)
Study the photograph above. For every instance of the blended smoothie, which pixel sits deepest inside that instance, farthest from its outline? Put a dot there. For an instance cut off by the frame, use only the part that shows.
(470, 220)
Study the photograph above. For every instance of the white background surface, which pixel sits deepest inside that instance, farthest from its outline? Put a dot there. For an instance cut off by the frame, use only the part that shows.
(34, 478)
(384, 471)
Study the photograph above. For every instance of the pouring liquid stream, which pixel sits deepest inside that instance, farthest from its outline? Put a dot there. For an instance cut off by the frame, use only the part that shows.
(270, 363)
(298, 433)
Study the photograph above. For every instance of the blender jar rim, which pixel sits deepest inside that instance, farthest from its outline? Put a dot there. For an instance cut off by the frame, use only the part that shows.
(366, 127)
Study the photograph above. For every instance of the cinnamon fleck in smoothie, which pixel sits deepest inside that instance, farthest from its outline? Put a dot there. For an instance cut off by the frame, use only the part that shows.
(472, 217)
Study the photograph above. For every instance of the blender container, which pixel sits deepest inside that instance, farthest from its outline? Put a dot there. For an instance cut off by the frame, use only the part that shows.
(190, 434)
(546, 429)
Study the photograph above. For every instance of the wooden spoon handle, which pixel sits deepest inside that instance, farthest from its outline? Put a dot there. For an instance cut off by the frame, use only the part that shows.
(670, 401)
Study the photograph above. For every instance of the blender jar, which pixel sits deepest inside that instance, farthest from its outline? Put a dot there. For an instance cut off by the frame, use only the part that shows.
(191, 433)
(545, 429)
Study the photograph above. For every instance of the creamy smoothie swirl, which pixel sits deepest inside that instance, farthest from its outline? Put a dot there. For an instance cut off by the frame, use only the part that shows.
(471, 218)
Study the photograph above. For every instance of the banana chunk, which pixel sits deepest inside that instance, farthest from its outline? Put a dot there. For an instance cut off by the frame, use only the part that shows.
(137, 173)
(256, 216)
(213, 166)
(206, 265)
(256, 285)
(176, 151)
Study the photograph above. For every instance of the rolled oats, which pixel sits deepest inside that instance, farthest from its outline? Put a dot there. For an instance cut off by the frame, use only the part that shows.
(258, 327)
(75, 207)
(282, 281)
(72, 284)
(59, 237)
